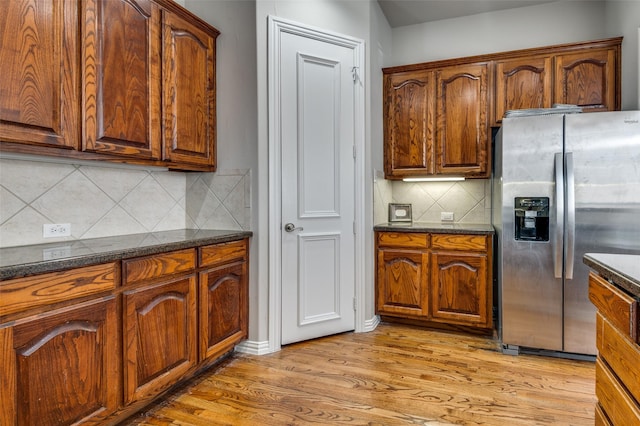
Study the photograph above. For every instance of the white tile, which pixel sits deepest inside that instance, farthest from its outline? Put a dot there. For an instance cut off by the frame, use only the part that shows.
(221, 185)
(421, 202)
(28, 180)
(474, 187)
(234, 202)
(148, 203)
(175, 219)
(75, 200)
(458, 201)
(115, 222)
(437, 189)
(115, 182)
(25, 228)
(475, 215)
(175, 183)
(220, 219)
(9, 204)
(201, 203)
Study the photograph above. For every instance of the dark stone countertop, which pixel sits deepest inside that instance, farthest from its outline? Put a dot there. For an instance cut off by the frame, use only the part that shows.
(21, 261)
(437, 228)
(621, 269)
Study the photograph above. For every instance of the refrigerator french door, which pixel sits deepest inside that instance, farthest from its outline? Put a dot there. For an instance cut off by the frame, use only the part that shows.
(564, 185)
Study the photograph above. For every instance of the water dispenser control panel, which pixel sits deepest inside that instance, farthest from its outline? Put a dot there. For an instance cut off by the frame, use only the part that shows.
(532, 218)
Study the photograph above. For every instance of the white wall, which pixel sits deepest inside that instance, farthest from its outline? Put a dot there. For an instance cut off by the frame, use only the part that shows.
(237, 120)
(534, 26)
(623, 19)
(378, 50)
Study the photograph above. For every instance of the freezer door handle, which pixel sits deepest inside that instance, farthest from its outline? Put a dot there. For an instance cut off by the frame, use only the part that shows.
(571, 216)
(559, 229)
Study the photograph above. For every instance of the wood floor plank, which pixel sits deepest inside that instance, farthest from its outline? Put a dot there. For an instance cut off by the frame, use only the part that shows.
(395, 375)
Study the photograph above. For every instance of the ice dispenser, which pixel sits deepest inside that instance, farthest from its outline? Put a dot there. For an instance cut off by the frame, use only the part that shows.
(532, 218)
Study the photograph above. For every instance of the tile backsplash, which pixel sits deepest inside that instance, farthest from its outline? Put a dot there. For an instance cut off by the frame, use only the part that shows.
(106, 200)
(469, 200)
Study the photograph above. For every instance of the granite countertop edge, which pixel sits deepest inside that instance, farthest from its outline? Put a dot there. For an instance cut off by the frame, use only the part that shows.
(623, 270)
(437, 228)
(16, 262)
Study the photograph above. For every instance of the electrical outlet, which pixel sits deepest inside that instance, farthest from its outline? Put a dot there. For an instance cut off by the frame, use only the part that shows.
(446, 216)
(50, 230)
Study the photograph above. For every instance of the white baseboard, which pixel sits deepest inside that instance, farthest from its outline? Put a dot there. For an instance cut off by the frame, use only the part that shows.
(253, 347)
(371, 324)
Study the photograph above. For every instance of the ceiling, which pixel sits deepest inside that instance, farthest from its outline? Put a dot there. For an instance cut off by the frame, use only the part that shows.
(408, 12)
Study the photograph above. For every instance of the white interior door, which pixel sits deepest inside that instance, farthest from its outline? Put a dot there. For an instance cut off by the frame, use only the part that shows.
(317, 118)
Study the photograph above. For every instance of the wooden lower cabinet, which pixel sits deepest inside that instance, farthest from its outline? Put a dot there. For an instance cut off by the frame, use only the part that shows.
(126, 333)
(460, 291)
(61, 367)
(618, 362)
(445, 279)
(159, 333)
(400, 286)
(223, 303)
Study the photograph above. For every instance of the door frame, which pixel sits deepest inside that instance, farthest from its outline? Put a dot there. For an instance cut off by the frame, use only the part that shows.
(276, 26)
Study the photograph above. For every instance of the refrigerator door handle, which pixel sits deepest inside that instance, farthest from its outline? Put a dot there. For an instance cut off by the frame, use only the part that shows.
(559, 229)
(571, 216)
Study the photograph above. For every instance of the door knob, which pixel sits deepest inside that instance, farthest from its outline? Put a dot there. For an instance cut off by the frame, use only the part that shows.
(290, 227)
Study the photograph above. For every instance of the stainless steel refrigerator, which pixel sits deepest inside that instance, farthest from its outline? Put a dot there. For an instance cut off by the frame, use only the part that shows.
(563, 185)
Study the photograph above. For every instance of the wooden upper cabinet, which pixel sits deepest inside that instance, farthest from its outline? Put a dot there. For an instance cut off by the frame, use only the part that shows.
(588, 79)
(462, 144)
(522, 83)
(189, 92)
(409, 123)
(38, 73)
(121, 78)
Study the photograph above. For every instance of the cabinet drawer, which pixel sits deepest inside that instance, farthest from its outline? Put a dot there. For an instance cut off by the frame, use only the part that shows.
(25, 293)
(615, 305)
(223, 253)
(622, 355)
(155, 266)
(601, 418)
(459, 242)
(403, 239)
(615, 401)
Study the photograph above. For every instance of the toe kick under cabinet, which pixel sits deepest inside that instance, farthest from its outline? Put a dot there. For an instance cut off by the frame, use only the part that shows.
(95, 344)
(435, 278)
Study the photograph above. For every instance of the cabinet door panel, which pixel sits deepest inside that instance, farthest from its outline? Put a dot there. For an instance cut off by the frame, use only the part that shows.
(402, 282)
(159, 329)
(189, 92)
(459, 292)
(121, 77)
(587, 79)
(64, 364)
(409, 120)
(38, 88)
(522, 83)
(462, 124)
(223, 309)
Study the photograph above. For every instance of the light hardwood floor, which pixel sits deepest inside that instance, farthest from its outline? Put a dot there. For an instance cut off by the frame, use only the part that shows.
(395, 375)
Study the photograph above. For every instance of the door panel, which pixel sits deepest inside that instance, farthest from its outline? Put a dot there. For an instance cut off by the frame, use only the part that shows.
(317, 107)
(607, 207)
(527, 274)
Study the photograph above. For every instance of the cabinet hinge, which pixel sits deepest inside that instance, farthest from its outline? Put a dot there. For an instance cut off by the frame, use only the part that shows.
(355, 304)
(354, 228)
(354, 151)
